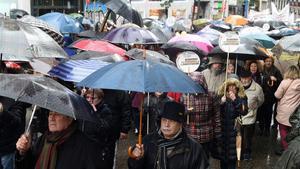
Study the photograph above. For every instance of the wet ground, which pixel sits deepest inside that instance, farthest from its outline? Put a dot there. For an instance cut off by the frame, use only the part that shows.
(263, 156)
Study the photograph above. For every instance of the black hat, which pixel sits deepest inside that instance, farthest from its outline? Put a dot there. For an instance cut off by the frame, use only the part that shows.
(245, 73)
(173, 111)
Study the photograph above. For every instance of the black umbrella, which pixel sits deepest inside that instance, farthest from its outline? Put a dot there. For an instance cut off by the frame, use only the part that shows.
(247, 50)
(21, 41)
(173, 48)
(91, 34)
(148, 55)
(92, 55)
(50, 30)
(124, 9)
(163, 35)
(273, 24)
(46, 93)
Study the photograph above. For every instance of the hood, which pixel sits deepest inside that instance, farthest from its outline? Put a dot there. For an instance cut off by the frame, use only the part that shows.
(232, 81)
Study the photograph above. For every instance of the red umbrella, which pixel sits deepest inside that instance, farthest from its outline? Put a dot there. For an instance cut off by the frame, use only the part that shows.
(98, 46)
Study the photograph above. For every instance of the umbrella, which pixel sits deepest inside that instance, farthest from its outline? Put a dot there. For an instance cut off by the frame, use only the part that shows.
(92, 55)
(152, 77)
(274, 24)
(41, 66)
(148, 55)
(76, 70)
(163, 34)
(220, 26)
(131, 35)
(2, 15)
(173, 48)
(50, 30)
(17, 13)
(46, 93)
(20, 42)
(62, 23)
(236, 20)
(201, 43)
(153, 23)
(288, 48)
(247, 50)
(124, 9)
(91, 34)
(264, 39)
(97, 45)
(76, 15)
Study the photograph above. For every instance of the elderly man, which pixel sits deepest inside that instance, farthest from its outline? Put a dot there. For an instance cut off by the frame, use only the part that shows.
(214, 74)
(170, 147)
(255, 97)
(63, 146)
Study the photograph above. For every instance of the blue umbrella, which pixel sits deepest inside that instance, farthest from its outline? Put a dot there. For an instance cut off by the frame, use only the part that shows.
(262, 38)
(141, 76)
(63, 23)
(76, 70)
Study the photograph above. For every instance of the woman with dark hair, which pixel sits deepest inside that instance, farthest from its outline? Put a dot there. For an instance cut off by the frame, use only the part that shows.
(255, 68)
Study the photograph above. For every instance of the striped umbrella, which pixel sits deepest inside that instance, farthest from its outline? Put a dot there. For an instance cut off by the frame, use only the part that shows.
(76, 70)
(50, 30)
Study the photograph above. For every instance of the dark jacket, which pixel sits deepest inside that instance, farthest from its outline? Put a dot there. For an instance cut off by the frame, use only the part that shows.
(119, 103)
(75, 153)
(186, 155)
(257, 77)
(290, 159)
(12, 124)
(270, 90)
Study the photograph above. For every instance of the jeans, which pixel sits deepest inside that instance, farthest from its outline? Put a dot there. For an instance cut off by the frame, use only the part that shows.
(247, 135)
(7, 161)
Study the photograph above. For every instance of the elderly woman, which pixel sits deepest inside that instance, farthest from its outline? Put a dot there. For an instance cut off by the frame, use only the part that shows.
(62, 146)
(289, 94)
(233, 105)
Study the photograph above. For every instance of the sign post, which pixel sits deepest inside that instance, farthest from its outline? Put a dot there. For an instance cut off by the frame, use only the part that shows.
(188, 62)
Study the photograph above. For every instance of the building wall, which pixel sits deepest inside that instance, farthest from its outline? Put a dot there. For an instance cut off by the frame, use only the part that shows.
(6, 5)
(148, 8)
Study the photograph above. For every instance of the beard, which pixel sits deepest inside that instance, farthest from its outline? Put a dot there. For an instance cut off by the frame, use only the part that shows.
(216, 72)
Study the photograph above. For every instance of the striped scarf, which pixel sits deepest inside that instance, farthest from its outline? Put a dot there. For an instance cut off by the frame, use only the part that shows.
(48, 156)
(165, 147)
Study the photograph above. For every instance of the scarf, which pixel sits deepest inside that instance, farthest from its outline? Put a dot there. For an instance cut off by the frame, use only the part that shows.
(48, 156)
(165, 147)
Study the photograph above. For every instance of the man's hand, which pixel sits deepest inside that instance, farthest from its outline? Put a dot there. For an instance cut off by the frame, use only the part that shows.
(123, 136)
(138, 151)
(23, 144)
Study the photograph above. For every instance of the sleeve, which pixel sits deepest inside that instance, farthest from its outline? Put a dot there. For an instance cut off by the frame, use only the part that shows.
(280, 90)
(216, 117)
(290, 159)
(202, 161)
(240, 106)
(260, 96)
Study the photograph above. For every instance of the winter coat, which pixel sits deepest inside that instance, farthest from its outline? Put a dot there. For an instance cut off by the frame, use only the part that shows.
(255, 97)
(230, 110)
(213, 81)
(257, 77)
(270, 90)
(12, 124)
(77, 152)
(290, 159)
(289, 94)
(120, 104)
(186, 155)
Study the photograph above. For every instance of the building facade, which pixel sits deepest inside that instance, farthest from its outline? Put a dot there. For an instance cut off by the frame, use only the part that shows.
(6, 5)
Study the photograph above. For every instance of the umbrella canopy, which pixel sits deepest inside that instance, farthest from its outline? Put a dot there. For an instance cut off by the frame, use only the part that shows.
(62, 23)
(97, 45)
(124, 9)
(142, 76)
(153, 23)
(76, 15)
(1, 15)
(173, 48)
(272, 23)
(46, 93)
(236, 20)
(76, 70)
(91, 34)
(220, 26)
(92, 55)
(20, 41)
(247, 50)
(50, 30)
(264, 39)
(131, 35)
(163, 34)
(148, 55)
(17, 13)
(288, 48)
(201, 43)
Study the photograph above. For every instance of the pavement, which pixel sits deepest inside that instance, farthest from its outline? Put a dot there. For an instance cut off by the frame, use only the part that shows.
(263, 156)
